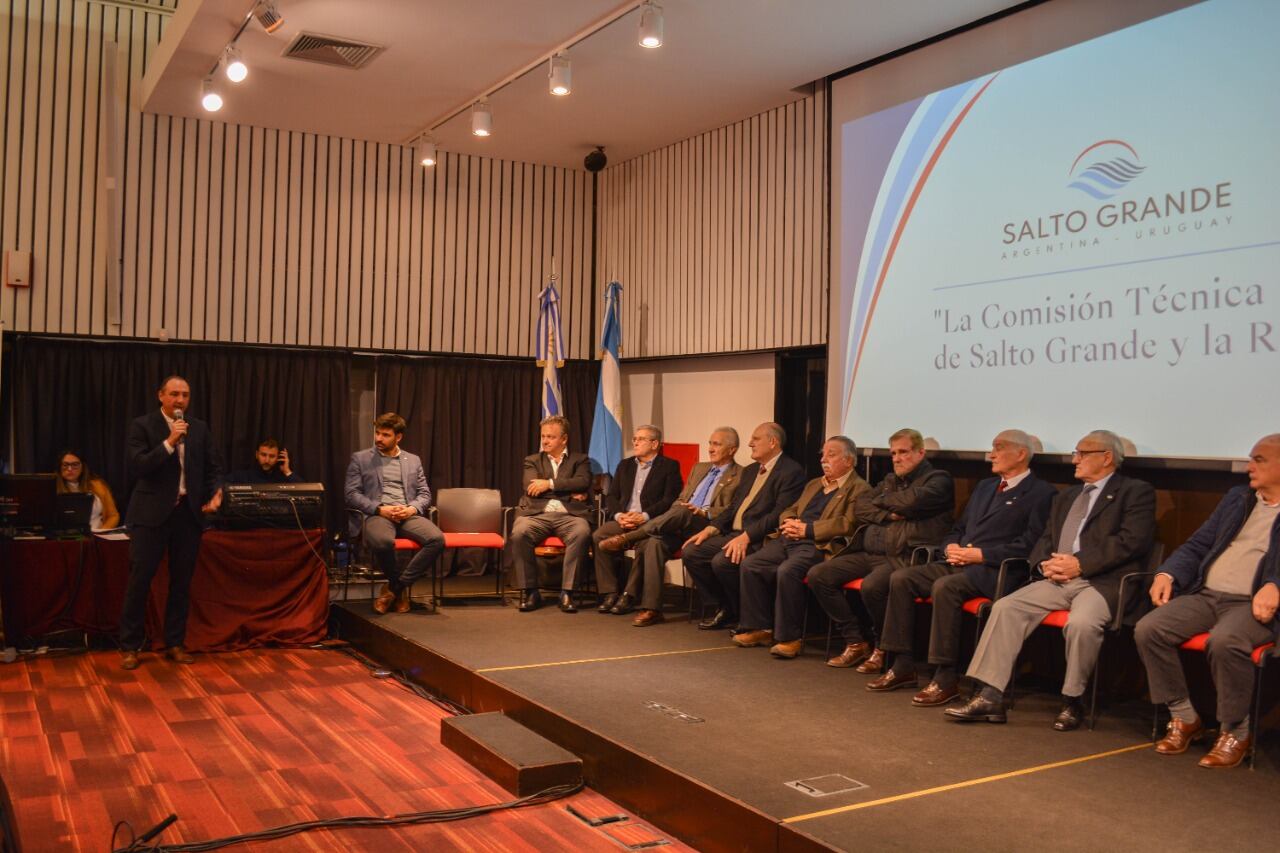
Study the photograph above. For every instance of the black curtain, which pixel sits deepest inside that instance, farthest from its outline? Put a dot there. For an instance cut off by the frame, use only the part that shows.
(83, 394)
(800, 403)
(474, 420)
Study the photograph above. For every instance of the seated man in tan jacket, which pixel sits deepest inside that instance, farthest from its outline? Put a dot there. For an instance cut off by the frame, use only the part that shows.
(772, 584)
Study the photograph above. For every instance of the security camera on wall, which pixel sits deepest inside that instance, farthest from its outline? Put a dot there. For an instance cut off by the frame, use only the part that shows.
(596, 160)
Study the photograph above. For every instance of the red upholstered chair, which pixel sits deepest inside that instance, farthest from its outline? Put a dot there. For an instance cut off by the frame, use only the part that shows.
(1261, 653)
(471, 518)
(403, 546)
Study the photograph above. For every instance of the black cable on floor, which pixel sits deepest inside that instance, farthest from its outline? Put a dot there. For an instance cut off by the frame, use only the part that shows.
(408, 819)
(404, 681)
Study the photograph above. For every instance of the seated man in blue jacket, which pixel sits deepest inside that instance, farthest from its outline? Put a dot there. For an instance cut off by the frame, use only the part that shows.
(387, 486)
(1225, 580)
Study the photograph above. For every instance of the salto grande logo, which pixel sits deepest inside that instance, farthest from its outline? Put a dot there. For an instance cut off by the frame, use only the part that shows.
(1105, 168)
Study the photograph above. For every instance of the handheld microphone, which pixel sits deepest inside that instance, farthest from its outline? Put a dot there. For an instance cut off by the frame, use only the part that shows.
(179, 417)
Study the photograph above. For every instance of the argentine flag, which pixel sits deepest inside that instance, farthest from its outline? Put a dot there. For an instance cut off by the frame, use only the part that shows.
(550, 349)
(606, 428)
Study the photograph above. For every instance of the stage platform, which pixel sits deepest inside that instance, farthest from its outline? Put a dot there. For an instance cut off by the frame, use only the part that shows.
(703, 739)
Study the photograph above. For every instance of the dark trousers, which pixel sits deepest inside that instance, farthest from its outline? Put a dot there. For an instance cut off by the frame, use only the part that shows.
(715, 575)
(179, 535)
(664, 536)
(827, 581)
(949, 588)
(528, 532)
(773, 589)
(1233, 634)
(606, 561)
(380, 535)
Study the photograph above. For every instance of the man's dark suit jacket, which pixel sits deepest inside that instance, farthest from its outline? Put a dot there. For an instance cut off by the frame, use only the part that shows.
(1189, 565)
(1117, 535)
(781, 489)
(156, 470)
(660, 490)
(574, 479)
(925, 499)
(1004, 526)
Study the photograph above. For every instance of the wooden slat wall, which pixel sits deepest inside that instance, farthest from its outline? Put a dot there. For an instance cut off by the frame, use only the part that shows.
(720, 241)
(245, 234)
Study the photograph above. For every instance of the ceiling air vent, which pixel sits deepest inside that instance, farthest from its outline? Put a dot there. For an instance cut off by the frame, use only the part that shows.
(328, 50)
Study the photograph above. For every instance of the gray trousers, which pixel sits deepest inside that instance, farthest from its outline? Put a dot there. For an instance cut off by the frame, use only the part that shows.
(662, 537)
(1233, 635)
(527, 533)
(1015, 616)
(380, 536)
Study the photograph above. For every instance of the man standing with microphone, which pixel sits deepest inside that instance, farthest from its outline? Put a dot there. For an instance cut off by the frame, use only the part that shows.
(176, 472)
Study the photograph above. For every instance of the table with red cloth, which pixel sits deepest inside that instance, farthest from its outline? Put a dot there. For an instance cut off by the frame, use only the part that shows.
(251, 588)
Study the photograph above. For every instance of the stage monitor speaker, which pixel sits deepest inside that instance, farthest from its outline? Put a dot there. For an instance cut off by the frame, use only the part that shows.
(518, 759)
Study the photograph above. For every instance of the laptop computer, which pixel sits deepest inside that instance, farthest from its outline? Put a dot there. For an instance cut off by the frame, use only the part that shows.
(71, 513)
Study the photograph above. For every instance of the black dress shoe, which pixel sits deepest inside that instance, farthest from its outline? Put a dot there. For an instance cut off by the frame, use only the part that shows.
(719, 619)
(609, 600)
(1070, 717)
(530, 600)
(625, 604)
(978, 709)
(566, 603)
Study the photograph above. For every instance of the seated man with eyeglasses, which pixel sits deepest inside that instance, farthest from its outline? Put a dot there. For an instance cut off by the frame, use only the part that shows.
(1098, 532)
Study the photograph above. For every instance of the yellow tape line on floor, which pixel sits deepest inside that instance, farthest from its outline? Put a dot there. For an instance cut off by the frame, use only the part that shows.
(604, 660)
(966, 784)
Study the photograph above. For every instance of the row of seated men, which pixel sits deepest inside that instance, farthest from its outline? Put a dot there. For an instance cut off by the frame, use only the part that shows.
(754, 538)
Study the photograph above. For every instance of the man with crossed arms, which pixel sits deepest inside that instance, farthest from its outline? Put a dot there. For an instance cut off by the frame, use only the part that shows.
(706, 495)
(772, 586)
(1098, 532)
(1225, 580)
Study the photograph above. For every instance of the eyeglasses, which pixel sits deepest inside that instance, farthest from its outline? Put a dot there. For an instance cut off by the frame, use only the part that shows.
(72, 464)
(1078, 452)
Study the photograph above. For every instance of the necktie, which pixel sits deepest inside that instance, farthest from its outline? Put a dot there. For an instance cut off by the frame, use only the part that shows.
(1004, 484)
(751, 495)
(702, 497)
(1075, 520)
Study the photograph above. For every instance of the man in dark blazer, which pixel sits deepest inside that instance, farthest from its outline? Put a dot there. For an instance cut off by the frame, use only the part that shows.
(643, 488)
(772, 587)
(176, 472)
(388, 498)
(712, 556)
(1097, 532)
(556, 486)
(707, 493)
(1004, 518)
(1225, 580)
(911, 506)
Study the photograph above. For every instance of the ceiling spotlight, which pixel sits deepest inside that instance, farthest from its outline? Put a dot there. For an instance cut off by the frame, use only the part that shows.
(234, 65)
(210, 99)
(650, 25)
(427, 151)
(481, 119)
(559, 74)
(268, 15)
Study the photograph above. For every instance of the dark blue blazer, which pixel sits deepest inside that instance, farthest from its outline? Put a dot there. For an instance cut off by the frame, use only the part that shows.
(1003, 526)
(156, 470)
(1190, 563)
(363, 487)
(781, 489)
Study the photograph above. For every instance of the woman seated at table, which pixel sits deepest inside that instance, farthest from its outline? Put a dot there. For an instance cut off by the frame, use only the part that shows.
(74, 476)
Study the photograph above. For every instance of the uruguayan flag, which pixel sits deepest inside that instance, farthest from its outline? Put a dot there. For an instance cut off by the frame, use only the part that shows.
(550, 349)
(606, 428)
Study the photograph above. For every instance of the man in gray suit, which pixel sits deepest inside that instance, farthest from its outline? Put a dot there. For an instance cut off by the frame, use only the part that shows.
(706, 495)
(387, 488)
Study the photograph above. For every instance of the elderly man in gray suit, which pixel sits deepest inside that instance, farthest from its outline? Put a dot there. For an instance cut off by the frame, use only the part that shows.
(706, 495)
(387, 488)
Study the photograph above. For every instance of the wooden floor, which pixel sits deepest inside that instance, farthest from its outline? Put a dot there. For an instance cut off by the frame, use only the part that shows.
(244, 741)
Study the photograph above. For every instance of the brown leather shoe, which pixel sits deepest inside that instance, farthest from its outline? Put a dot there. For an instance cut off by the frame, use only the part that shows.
(787, 650)
(933, 695)
(748, 639)
(615, 543)
(1227, 751)
(891, 680)
(645, 618)
(178, 654)
(385, 599)
(404, 601)
(1178, 736)
(853, 654)
(873, 665)
(128, 660)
